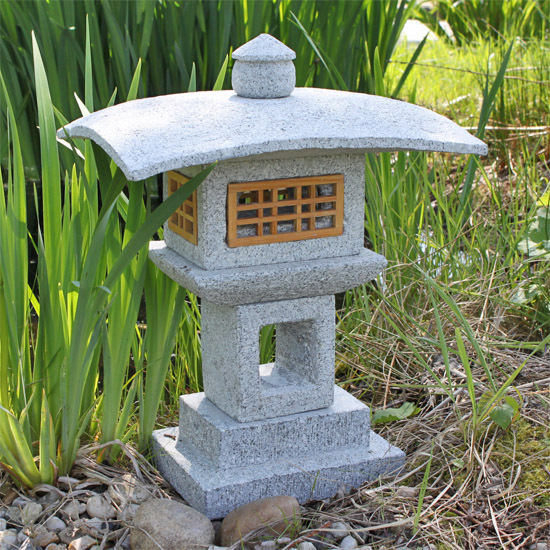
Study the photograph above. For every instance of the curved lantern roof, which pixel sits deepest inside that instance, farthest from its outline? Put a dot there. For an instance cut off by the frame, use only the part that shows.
(148, 136)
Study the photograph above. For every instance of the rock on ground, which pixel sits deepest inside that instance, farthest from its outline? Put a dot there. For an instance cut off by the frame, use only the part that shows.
(276, 514)
(172, 525)
(339, 530)
(348, 543)
(99, 507)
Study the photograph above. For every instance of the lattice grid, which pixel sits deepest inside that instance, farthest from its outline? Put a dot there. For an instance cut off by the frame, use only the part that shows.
(184, 220)
(295, 209)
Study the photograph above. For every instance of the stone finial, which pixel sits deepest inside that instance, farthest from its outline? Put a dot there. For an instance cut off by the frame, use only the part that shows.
(263, 69)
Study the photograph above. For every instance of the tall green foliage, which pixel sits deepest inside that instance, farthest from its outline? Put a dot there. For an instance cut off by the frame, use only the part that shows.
(91, 273)
(182, 46)
(483, 19)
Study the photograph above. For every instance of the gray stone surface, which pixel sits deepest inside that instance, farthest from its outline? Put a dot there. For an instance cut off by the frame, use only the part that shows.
(263, 69)
(149, 136)
(266, 283)
(212, 251)
(264, 48)
(263, 80)
(302, 376)
(226, 443)
(216, 492)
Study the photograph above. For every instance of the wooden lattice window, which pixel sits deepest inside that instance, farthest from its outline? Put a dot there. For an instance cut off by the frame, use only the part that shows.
(274, 211)
(184, 220)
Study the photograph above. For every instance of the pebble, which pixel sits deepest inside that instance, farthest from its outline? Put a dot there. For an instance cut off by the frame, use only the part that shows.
(339, 530)
(269, 544)
(3, 524)
(20, 502)
(407, 492)
(278, 513)
(82, 543)
(99, 507)
(306, 546)
(283, 541)
(56, 547)
(54, 524)
(14, 514)
(348, 543)
(8, 538)
(539, 546)
(44, 538)
(188, 528)
(73, 509)
(30, 513)
(2, 513)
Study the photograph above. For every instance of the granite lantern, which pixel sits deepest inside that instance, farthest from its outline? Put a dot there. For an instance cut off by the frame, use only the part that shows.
(268, 238)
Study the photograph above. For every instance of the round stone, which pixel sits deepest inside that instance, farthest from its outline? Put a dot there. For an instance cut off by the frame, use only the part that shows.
(339, 530)
(30, 513)
(54, 524)
(8, 538)
(99, 507)
(348, 543)
(44, 538)
(172, 525)
(276, 514)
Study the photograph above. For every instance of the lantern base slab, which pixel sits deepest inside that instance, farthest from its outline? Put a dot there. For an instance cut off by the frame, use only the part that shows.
(313, 475)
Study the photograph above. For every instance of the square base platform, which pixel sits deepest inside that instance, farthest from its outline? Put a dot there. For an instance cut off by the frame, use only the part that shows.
(305, 471)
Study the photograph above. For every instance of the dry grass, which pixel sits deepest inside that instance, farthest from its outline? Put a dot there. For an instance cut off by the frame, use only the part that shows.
(490, 489)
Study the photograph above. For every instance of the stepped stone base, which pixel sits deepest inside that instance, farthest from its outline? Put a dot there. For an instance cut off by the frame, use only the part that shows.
(307, 455)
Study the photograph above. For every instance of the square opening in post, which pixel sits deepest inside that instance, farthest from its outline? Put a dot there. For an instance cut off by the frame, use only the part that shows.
(184, 220)
(284, 354)
(296, 209)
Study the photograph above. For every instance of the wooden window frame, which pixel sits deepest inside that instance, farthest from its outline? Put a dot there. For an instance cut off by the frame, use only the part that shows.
(265, 209)
(184, 220)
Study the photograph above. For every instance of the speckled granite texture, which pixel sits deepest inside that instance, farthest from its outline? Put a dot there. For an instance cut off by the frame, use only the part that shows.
(302, 377)
(212, 251)
(266, 283)
(227, 443)
(264, 48)
(215, 492)
(263, 69)
(149, 136)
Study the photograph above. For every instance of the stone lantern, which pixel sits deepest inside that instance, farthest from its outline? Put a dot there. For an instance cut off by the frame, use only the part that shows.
(273, 233)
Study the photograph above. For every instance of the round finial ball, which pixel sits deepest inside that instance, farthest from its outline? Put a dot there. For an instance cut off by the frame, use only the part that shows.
(263, 69)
